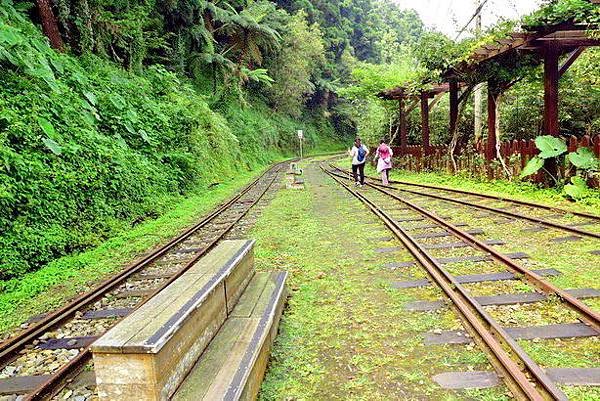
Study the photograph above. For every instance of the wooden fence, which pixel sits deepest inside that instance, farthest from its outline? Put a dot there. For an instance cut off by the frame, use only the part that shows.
(477, 161)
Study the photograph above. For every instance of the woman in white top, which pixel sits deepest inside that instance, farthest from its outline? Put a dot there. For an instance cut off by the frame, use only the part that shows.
(359, 153)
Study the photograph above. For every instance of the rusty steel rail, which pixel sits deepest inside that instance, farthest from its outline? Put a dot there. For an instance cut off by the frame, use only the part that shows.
(487, 330)
(500, 198)
(585, 311)
(536, 220)
(10, 348)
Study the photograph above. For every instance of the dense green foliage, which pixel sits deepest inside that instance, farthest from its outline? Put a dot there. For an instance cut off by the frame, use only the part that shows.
(521, 107)
(88, 148)
(153, 99)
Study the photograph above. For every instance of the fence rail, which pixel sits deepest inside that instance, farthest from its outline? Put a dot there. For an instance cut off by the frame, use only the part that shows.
(477, 160)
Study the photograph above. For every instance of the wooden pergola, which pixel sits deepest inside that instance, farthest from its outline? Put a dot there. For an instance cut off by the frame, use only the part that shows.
(422, 97)
(548, 45)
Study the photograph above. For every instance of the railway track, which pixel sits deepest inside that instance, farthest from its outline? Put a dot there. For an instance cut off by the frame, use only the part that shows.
(532, 212)
(419, 231)
(38, 362)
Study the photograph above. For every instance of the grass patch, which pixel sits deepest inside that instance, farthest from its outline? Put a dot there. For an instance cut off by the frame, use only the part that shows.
(345, 334)
(65, 278)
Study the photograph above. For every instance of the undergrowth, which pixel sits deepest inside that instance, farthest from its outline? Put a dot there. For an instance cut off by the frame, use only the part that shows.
(89, 150)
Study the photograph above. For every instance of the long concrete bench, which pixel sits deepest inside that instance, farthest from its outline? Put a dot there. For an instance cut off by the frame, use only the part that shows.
(147, 355)
(233, 366)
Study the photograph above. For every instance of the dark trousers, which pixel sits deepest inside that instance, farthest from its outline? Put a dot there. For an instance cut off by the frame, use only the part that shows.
(358, 170)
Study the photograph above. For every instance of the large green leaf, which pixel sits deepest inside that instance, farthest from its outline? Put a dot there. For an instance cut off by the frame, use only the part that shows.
(90, 98)
(550, 146)
(585, 159)
(532, 167)
(578, 188)
(53, 146)
(46, 126)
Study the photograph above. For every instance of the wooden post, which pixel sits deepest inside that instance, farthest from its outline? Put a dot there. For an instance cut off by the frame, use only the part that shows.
(49, 24)
(490, 152)
(425, 122)
(453, 106)
(551, 77)
(403, 130)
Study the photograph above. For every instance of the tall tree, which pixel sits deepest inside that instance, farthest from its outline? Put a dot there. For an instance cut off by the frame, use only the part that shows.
(49, 24)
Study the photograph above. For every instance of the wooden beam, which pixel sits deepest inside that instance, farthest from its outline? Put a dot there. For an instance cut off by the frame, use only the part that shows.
(551, 78)
(436, 100)
(574, 55)
(425, 123)
(412, 106)
(453, 105)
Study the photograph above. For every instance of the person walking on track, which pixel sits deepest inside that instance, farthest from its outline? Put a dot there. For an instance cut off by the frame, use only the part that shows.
(384, 161)
(359, 153)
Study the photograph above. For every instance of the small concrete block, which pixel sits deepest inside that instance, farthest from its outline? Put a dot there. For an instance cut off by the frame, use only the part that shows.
(467, 380)
(570, 238)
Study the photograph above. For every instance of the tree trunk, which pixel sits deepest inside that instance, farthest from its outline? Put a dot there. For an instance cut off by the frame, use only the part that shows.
(499, 138)
(49, 24)
(464, 98)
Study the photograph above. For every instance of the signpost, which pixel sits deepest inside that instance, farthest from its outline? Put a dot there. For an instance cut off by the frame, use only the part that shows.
(301, 138)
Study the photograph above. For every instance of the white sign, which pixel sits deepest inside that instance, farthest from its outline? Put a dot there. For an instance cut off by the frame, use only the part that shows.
(300, 134)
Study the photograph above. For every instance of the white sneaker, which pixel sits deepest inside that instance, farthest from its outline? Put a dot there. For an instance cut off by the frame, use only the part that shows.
(357, 184)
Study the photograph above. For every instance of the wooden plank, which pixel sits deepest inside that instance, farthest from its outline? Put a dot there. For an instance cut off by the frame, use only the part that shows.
(250, 297)
(475, 278)
(534, 229)
(133, 294)
(432, 226)
(409, 219)
(234, 363)
(480, 258)
(445, 234)
(481, 380)
(67, 343)
(503, 299)
(389, 250)
(21, 384)
(452, 245)
(570, 238)
(107, 313)
(571, 330)
(461, 259)
(554, 331)
(467, 380)
(575, 376)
